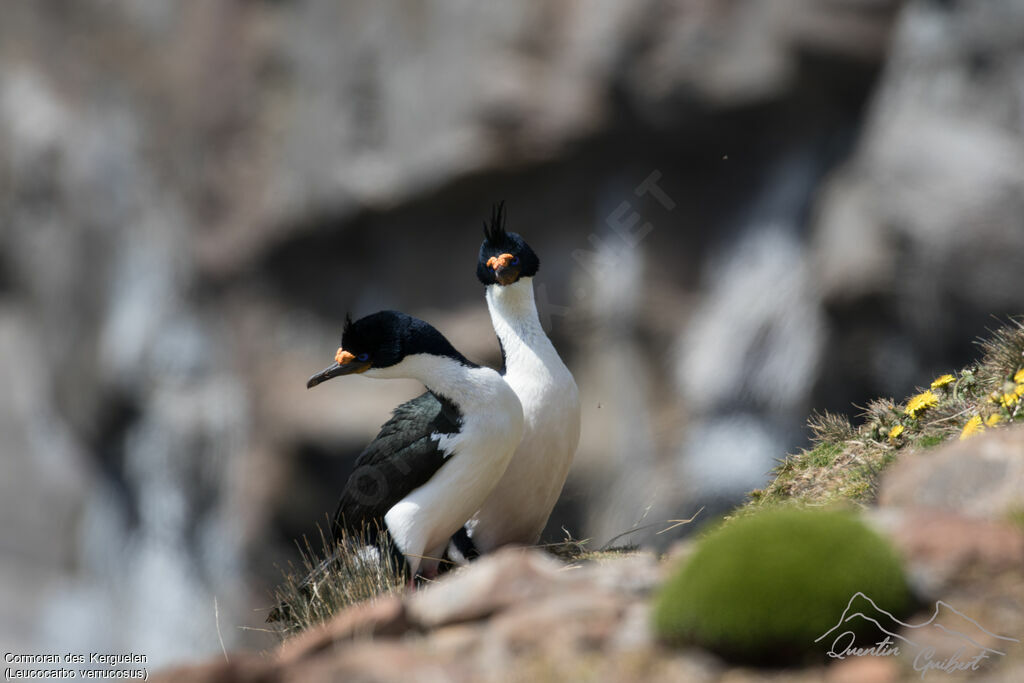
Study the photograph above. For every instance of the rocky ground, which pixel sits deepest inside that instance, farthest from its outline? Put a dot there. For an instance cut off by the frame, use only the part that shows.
(952, 511)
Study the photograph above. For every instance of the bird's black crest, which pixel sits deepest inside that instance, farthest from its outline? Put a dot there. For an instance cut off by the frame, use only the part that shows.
(495, 231)
(348, 325)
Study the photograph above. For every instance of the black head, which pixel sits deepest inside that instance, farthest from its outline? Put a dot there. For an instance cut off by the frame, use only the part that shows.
(504, 256)
(383, 340)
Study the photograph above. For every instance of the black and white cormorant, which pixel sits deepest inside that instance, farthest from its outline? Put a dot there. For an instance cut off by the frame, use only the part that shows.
(518, 508)
(435, 461)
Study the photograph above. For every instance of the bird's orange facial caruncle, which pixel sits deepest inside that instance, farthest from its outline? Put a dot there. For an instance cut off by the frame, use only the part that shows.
(505, 267)
(503, 261)
(345, 363)
(351, 362)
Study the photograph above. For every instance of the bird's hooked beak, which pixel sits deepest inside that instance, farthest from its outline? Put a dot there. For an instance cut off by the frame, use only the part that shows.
(504, 272)
(345, 363)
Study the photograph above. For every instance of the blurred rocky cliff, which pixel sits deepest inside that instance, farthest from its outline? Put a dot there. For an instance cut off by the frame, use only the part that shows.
(744, 210)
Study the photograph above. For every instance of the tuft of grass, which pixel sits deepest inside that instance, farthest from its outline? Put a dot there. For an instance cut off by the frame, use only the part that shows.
(758, 607)
(331, 578)
(823, 455)
(830, 428)
(1003, 354)
(930, 441)
(844, 463)
(573, 550)
(569, 549)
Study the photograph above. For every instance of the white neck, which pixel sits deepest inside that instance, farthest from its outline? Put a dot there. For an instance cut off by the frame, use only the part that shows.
(518, 508)
(514, 317)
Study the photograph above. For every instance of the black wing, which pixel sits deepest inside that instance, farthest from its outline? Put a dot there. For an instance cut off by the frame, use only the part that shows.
(403, 457)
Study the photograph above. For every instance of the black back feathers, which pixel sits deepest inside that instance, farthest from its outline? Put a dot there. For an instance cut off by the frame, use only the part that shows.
(403, 457)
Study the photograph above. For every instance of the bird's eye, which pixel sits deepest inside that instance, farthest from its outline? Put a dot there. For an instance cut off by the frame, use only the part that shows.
(515, 260)
(363, 357)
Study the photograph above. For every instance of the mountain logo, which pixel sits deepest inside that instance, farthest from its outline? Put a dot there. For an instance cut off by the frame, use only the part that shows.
(968, 641)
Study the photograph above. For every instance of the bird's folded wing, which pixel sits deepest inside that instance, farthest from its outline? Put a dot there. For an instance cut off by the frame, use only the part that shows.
(403, 457)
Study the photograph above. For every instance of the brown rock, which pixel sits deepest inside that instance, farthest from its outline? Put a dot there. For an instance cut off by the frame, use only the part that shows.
(637, 574)
(693, 665)
(979, 477)
(579, 621)
(457, 640)
(925, 535)
(864, 670)
(500, 580)
(633, 631)
(383, 617)
(240, 669)
(372, 661)
(940, 546)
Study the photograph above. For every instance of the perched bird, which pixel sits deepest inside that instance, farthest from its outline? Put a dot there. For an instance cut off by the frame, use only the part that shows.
(435, 461)
(518, 508)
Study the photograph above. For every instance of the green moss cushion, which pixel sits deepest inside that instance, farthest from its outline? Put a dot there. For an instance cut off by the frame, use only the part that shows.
(762, 588)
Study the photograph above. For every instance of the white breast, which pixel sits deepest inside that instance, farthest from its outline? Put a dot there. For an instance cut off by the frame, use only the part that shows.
(518, 508)
(478, 455)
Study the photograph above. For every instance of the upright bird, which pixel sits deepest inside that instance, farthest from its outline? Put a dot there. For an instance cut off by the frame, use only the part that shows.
(435, 461)
(518, 508)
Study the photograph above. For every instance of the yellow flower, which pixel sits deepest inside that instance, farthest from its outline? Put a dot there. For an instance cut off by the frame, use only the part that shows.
(1019, 377)
(1009, 399)
(1019, 390)
(895, 432)
(972, 427)
(993, 420)
(942, 381)
(921, 402)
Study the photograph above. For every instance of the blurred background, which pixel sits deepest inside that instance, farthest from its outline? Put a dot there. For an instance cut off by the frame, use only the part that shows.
(745, 211)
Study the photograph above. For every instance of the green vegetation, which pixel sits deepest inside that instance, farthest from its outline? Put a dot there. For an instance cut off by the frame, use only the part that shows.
(762, 587)
(844, 464)
(1016, 517)
(824, 454)
(929, 441)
